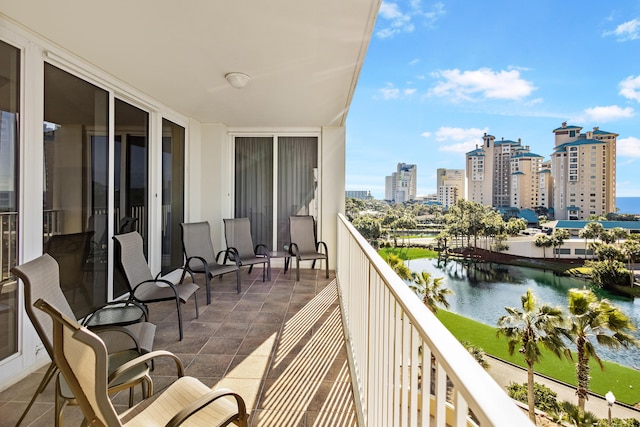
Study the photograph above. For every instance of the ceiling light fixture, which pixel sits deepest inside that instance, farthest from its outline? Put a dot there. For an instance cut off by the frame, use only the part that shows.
(237, 80)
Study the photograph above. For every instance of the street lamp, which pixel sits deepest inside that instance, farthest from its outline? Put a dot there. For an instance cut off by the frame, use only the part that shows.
(611, 399)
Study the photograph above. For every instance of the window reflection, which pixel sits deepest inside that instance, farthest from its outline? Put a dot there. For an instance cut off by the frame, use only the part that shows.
(172, 194)
(76, 185)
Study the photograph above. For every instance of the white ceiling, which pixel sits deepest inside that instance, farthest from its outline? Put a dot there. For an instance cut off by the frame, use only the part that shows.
(303, 56)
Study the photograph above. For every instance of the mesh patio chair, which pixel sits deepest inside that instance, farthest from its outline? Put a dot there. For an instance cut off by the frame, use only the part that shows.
(41, 281)
(237, 233)
(304, 243)
(202, 259)
(143, 287)
(82, 358)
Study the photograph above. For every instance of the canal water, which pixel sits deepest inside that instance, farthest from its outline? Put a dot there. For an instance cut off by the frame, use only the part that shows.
(483, 290)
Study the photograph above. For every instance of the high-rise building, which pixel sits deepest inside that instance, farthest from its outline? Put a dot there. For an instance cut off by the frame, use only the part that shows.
(525, 174)
(401, 185)
(583, 166)
(493, 169)
(450, 184)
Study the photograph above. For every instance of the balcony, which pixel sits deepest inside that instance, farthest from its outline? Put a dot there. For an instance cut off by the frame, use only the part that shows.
(356, 349)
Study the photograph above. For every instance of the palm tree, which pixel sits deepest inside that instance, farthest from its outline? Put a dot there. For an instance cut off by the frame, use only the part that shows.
(397, 264)
(430, 291)
(592, 320)
(558, 237)
(544, 242)
(526, 329)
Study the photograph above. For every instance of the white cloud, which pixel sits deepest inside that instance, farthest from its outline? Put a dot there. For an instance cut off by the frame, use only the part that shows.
(608, 113)
(464, 85)
(393, 21)
(414, 61)
(626, 31)
(458, 140)
(390, 91)
(630, 88)
(628, 147)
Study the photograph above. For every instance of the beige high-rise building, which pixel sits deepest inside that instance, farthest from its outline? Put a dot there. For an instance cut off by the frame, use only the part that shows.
(490, 168)
(525, 173)
(401, 186)
(545, 186)
(450, 186)
(583, 166)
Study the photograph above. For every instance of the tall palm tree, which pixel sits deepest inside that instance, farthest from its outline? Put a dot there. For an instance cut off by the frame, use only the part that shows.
(592, 320)
(526, 329)
(432, 293)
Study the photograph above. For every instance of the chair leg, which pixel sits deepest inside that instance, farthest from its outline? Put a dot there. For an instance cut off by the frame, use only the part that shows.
(60, 403)
(297, 269)
(238, 280)
(207, 284)
(326, 266)
(179, 317)
(195, 301)
(51, 371)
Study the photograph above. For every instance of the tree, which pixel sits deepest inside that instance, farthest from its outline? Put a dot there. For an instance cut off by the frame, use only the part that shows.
(397, 264)
(593, 230)
(368, 226)
(529, 328)
(543, 241)
(631, 249)
(592, 320)
(430, 291)
(558, 237)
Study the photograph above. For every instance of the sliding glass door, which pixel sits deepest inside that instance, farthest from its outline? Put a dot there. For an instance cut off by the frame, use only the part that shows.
(131, 177)
(275, 177)
(9, 111)
(76, 185)
(172, 194)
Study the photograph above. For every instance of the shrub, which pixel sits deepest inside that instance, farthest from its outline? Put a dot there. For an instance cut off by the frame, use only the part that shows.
(545, 399)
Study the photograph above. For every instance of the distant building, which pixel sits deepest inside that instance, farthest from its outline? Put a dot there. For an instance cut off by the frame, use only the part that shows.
(583, 166)
(503, 173)
(401, 185)
(359, 194)
(450, 186)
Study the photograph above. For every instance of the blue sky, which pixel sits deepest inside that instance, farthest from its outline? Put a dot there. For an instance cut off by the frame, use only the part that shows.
(438, 75)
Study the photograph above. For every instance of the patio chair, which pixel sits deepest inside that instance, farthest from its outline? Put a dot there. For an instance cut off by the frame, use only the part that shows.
(202, 259)
(41, 281)
(237, 233)
(143, 287)
(82, 358)
(304, 243)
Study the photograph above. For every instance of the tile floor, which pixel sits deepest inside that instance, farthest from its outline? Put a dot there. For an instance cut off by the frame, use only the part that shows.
(280, 344)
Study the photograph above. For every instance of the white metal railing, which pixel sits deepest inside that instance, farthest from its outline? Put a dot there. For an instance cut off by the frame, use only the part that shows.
(397, 346)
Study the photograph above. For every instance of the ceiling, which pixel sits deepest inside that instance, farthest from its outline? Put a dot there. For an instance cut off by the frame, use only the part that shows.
(303, 56)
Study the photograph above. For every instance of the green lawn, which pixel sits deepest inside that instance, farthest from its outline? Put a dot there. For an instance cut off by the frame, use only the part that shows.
(623, 381)
(408, 253)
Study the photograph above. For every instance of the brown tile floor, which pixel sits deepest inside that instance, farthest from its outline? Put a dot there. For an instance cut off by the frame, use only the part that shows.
(280, 344)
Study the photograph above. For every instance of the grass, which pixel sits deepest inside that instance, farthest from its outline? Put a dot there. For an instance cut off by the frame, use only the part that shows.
(623, 381)
(408, 253)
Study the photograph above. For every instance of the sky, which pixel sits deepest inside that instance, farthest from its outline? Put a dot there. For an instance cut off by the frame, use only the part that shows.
(439, 74)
